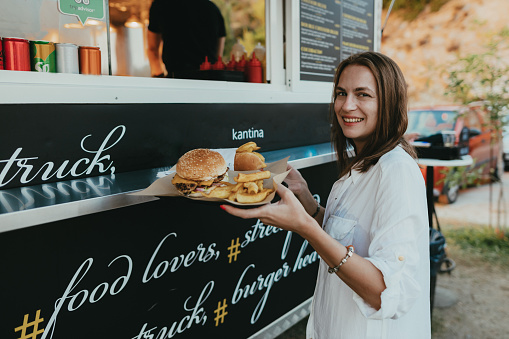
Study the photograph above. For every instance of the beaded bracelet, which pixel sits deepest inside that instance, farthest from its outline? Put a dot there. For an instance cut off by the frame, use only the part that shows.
(351, 249)
(317, 210)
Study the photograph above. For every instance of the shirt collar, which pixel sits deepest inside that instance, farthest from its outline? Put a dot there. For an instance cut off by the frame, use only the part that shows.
(354, 175)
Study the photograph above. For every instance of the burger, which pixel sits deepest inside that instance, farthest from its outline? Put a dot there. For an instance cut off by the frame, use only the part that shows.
(246, 159)
(199, 171)
(249, 161)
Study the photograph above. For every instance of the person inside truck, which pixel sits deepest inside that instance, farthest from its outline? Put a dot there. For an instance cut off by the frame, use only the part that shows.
(188, 31)
(373, 235)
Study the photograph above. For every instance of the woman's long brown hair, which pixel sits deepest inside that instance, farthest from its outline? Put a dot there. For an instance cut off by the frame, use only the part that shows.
(392, 114)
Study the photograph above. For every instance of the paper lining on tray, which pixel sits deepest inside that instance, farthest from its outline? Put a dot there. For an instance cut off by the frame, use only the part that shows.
(164, 188)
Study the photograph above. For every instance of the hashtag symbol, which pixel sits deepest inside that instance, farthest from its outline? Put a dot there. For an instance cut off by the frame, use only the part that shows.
(234, 250)
(35, 324)
(220, 312)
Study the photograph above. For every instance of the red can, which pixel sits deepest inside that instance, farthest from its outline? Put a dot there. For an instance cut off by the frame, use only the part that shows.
(1, 55)
(16, 54)
(90, 60)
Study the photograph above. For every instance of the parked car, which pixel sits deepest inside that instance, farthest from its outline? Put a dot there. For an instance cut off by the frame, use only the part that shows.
(427, 123)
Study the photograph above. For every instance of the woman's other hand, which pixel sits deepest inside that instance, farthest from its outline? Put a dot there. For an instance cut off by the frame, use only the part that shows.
(298, 185)
(296, 182)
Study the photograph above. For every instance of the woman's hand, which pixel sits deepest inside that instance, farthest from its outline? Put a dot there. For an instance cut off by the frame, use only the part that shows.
(298, 185)
(296, 182)
(288, 213)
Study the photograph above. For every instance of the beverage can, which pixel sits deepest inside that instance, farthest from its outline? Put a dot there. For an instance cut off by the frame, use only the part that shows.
(67, 58)
(16, 53)
(90, 60)
(1, 55)
(43, 56)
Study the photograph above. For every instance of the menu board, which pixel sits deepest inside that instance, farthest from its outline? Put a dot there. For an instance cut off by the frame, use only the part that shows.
(330, 31)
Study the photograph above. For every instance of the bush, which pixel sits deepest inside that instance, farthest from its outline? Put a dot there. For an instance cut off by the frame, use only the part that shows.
(492, 244)
(410, 9)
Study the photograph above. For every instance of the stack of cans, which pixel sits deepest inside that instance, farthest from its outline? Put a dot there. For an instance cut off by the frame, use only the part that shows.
(18, 54)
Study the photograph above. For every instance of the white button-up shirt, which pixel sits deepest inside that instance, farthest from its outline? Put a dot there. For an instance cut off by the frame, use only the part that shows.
(383, 213)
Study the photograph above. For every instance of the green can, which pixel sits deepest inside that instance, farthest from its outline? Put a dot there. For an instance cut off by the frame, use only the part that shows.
(43, 56)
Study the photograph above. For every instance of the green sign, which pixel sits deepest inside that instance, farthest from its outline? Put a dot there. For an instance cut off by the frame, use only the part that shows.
(83, 9)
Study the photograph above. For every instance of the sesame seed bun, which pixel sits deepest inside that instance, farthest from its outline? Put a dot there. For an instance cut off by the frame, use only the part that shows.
(201, 165)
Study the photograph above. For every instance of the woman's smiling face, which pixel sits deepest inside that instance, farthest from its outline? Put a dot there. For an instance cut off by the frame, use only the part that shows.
(356, 104)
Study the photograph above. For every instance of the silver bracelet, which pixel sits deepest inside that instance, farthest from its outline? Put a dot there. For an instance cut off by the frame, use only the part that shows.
(351, 249)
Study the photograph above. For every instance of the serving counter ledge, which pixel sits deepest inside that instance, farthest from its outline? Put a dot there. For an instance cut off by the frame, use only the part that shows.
(27, 206)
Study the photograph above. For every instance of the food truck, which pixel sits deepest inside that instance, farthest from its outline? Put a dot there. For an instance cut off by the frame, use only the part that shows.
(81, 255)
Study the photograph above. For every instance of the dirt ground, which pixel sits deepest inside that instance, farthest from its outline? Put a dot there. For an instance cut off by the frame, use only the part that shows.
(481, 288)
(479, 294)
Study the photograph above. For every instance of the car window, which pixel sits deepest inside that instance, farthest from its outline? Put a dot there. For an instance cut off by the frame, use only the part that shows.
(472, 121)
(429, 122)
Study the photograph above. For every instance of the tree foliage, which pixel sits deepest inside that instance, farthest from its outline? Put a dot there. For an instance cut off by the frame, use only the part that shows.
(483, 77)
(244, 21)
(410, 9)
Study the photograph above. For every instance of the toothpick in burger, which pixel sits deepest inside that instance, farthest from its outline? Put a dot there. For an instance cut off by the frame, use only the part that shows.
(200, 171)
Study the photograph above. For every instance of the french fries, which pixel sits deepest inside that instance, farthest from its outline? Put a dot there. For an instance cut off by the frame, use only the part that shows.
(221, 192)
(248, 147)
(242, 177)
(252, 187)
(247, 190)
(247, 198)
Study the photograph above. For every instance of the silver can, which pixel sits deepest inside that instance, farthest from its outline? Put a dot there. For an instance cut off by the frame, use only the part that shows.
(67, 58)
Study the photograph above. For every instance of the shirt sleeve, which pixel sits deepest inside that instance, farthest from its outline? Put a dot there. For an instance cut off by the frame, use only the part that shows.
(153, 24)
(398, 232)
(221, 30)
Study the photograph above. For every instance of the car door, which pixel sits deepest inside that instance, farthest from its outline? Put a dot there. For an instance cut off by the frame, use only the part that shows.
(479, 141)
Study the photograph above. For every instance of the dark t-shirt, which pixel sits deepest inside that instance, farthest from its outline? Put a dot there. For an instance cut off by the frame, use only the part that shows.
(190, 30)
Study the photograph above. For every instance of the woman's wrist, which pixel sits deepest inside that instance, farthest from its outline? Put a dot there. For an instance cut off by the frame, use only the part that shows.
(317, 210)
(310, 204)
(309, 228)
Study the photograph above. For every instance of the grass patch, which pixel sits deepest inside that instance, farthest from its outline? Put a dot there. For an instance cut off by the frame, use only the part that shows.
(487, 243)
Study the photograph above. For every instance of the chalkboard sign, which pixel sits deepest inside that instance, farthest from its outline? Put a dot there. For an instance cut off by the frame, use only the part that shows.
(330, 31)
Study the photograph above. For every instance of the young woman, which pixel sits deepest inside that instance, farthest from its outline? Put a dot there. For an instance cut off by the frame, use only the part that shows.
(372, 237)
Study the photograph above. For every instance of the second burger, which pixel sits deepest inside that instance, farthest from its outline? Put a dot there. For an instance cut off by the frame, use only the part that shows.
(246, 159)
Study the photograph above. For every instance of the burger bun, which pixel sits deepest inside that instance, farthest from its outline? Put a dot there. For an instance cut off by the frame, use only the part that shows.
(201, 164)
(248, 161)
